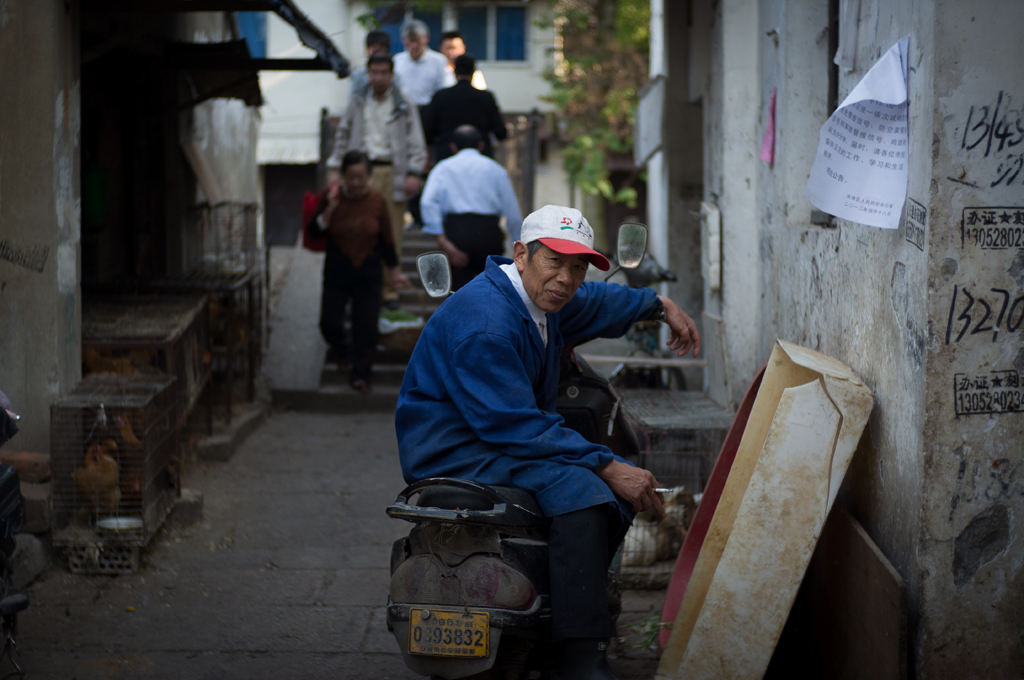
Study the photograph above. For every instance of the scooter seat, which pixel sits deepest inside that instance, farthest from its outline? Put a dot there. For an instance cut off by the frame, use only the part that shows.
(454, 498)
(464, 502)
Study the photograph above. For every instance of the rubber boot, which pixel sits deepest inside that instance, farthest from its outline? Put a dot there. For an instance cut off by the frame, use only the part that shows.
(584, 659)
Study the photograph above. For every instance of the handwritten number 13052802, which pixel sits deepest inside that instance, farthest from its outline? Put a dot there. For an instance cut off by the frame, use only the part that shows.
(979, 313)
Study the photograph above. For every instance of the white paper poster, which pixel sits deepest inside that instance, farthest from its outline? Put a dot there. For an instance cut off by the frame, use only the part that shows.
(860, 170)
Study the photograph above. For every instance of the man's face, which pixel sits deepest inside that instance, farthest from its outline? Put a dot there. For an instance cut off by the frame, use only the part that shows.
(550, 278)
(415, 45)
(451, 48)
(379, 76)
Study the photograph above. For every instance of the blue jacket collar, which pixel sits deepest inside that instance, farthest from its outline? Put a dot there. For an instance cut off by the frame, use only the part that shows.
(500, 279)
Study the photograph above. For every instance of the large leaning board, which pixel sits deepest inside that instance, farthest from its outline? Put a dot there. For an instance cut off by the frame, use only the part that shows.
(802, 432)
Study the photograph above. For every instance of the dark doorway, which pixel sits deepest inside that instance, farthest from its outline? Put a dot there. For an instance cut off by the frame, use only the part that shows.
(283, 189)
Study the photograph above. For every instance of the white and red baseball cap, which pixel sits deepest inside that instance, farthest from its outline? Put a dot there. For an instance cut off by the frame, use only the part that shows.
(564, 230)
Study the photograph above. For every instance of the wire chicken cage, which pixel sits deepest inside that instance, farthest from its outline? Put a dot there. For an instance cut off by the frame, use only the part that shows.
(115, 476)
(151, 335)
(680, 436)
(224, 239)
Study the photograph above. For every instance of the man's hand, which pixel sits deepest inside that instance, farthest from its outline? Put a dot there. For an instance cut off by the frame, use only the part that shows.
(400, 280)
(633, 484)
(333, 176)
(684, 330)
(412, 185)
(459, 259)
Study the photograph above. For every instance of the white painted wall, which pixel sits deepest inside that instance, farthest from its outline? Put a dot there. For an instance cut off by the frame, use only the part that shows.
(290, 130)
(731, 182)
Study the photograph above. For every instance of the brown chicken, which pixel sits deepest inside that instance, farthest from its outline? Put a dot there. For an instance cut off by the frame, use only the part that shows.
(124, 426)
(98, 476)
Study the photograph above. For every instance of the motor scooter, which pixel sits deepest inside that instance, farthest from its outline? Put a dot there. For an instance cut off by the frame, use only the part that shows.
(12, 518)
(469, 593)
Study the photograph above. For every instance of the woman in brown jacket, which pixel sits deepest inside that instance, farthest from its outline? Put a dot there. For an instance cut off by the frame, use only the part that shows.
(357, 221)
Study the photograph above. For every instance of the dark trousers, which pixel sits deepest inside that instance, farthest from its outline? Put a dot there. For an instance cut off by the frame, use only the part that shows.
(476, 235)
(361, 285)
(581, 545)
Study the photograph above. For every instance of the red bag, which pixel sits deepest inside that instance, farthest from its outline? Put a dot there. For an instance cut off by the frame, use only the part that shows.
(316, 243)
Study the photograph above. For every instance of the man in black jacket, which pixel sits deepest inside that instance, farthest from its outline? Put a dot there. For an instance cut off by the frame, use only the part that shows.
(462, 104)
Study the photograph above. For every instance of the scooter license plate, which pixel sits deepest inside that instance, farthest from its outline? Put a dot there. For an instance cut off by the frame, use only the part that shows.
(440, 632)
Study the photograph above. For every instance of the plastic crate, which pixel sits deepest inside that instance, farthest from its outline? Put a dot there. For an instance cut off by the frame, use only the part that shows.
(114, 446)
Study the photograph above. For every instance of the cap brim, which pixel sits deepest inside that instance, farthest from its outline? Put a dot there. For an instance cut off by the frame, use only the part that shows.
(573, 248)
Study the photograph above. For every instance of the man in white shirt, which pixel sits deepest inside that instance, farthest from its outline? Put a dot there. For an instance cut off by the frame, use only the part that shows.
(452, 47)
(463, 202)
(421, 69)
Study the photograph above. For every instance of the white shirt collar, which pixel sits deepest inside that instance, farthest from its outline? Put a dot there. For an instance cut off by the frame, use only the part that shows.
(536, 313)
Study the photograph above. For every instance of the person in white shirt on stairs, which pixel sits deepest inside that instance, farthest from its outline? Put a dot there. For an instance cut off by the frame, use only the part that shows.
(463, 202)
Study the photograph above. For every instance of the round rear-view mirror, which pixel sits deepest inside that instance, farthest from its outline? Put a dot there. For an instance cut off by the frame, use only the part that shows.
(435, 273)
(632, 244)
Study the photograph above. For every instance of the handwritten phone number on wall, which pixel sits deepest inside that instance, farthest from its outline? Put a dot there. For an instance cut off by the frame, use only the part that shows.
(992, 393)
(986, 315)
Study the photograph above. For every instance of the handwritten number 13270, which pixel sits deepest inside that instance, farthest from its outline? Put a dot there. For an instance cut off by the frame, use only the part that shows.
(979, 313)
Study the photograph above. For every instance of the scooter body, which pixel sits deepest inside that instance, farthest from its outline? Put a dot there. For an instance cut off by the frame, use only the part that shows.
(469, 584)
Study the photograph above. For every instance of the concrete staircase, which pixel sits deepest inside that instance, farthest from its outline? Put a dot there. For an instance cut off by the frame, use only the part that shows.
(323, 388)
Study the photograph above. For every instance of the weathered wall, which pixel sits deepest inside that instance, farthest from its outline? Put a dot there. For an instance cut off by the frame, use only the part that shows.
(730, 176)
(683, 146)
(40, 308)
(853, 292)
(972, 538)
(928, 314)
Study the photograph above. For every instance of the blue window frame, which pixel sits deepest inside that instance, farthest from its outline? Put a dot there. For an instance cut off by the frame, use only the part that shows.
(510, 43)
(473, 27)
(253, 28)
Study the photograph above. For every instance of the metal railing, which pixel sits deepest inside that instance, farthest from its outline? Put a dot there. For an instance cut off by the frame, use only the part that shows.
(518, 154)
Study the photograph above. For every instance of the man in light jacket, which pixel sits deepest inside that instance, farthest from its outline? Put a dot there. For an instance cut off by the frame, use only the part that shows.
(384, 123)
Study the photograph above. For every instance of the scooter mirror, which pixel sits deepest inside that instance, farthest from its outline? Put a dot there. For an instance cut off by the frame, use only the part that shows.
(435, 273)
(632, 244)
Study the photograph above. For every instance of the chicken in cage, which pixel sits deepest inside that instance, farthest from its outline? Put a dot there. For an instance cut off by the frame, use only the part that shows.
(114, 452)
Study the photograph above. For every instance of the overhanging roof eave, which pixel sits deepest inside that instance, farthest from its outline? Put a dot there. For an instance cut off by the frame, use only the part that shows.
(309, 33)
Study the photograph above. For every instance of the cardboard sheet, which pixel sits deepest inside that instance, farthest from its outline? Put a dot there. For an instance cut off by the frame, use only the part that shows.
(804, 427)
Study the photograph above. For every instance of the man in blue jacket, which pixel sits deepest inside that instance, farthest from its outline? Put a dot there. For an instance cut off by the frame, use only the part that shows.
(478, 403)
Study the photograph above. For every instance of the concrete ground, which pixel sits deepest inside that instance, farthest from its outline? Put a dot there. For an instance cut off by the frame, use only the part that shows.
(285, 577)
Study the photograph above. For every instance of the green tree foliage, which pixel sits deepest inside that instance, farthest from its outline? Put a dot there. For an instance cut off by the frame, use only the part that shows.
(604, 64)
(395, 12)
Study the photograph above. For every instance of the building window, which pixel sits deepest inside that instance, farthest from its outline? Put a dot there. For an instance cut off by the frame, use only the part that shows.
(510, 44)
(473, 26)
(494, 33)
(391, 21)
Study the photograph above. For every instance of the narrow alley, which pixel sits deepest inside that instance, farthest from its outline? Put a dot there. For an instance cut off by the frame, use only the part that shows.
(286, 576)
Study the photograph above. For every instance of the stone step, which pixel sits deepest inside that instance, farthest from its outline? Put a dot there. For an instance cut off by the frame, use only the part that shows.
(337, 399)
(383, 374)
